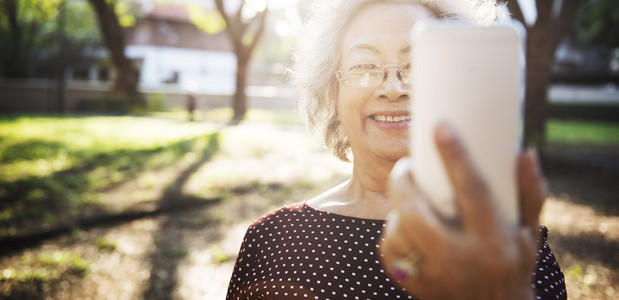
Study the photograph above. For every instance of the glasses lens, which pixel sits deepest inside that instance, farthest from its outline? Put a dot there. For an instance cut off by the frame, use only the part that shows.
(363, 75)
(405, 72)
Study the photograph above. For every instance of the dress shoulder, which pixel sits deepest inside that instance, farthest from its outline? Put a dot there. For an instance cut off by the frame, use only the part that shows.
(294, 208)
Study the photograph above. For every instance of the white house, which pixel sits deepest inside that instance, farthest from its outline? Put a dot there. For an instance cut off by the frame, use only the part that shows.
(170, 50)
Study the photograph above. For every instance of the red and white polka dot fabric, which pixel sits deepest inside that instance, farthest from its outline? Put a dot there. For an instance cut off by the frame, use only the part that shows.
(298, 252)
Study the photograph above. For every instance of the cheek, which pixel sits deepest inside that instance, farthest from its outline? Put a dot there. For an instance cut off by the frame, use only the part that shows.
(350, 102)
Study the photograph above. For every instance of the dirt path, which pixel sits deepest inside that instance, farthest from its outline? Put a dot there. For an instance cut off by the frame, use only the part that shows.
(189, 254)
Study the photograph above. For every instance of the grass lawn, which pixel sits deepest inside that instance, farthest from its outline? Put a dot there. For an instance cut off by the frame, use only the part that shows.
(582, 133)
(57, 169)
(57, 166)
(54, 168)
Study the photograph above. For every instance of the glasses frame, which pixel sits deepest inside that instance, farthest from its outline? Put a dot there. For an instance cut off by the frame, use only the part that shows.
(385, 67)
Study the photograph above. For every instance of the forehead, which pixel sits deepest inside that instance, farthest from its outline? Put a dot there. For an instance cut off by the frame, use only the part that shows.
(383, 25)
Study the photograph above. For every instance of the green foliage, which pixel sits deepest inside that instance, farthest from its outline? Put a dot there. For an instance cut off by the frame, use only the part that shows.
(81, 23)
(123, 9)
(37, 11)
(599, 22)
(210, 22)
(30, 46)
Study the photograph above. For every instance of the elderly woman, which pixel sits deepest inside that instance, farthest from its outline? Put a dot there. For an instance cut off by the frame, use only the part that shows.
(351, 72)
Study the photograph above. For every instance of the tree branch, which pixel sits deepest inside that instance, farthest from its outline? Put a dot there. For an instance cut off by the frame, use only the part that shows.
(262, 17)
(230, 24)
(239, 17)
(544, 10)
(516, 12)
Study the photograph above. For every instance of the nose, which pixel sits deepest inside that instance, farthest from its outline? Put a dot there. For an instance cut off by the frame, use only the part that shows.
(393, 88)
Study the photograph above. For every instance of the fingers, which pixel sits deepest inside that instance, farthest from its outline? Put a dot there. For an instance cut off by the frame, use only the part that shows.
(416, 218)
(399, 177)
(394, 252)
(473, 198)
(532, 189)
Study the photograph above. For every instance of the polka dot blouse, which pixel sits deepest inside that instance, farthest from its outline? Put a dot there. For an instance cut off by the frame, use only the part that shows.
(298, 252)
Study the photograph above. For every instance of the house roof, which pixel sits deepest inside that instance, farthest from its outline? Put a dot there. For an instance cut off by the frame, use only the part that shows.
(170, 25)
(169, 12)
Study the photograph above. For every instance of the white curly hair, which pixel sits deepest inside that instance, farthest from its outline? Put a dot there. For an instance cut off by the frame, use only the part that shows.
(317, 57)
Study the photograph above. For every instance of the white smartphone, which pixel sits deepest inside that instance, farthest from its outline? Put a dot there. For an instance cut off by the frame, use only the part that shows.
(472, 78)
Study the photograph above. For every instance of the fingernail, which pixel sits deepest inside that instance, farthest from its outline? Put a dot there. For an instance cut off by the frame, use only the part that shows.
(402, 270)
(445, 133)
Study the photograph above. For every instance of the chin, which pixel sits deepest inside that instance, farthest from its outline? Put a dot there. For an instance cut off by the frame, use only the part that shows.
(394, 153)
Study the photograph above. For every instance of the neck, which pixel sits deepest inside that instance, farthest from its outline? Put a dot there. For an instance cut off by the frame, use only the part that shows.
(363, 196)
(367, 189)
(372, 178)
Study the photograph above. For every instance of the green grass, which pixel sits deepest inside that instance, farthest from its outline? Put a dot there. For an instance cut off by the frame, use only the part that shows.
(47, 266)
(56, 169)
(104, 244)
(582, 133)
(56, 166)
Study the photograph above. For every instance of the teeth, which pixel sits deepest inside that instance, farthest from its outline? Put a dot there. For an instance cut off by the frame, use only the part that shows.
(392, 119)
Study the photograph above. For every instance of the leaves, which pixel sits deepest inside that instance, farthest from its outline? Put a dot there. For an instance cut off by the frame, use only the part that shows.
(210, 22)
(599, 22)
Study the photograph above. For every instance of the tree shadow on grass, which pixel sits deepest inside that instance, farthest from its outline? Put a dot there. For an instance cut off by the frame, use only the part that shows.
(30, 150)
(39, 208)
(590, 179)
(593, 182)
(171, 240)
(593, 248)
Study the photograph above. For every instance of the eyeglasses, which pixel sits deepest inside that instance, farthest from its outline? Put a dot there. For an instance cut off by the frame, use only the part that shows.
(371, 75)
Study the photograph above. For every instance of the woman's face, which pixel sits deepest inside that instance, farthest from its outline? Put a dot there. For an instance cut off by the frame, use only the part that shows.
(376, 117)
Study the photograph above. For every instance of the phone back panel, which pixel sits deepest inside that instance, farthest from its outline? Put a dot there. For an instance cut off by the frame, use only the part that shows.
(470, 77)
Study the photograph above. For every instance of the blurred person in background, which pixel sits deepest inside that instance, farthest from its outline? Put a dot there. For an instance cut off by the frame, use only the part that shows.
(351, 73)
(191, 106)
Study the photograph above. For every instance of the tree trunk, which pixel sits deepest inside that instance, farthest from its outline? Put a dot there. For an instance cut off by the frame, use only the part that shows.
(539, 60)
(13, 62)
(239, 102)
(237, 29)
(127, 77)
(543, 38)
(61, 64)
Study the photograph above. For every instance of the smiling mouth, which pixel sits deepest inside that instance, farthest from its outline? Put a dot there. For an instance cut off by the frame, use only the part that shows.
(391, 119)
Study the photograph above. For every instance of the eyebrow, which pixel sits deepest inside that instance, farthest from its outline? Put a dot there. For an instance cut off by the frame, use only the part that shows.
(371, 48)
